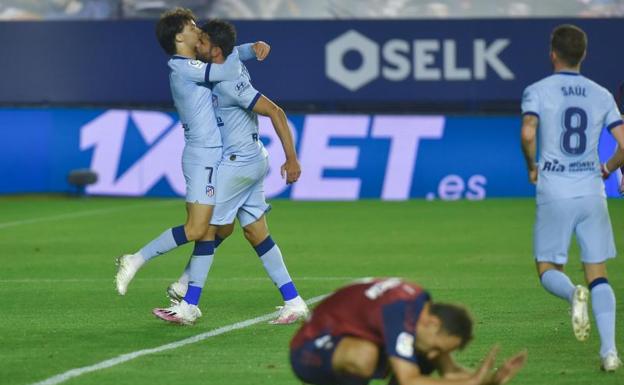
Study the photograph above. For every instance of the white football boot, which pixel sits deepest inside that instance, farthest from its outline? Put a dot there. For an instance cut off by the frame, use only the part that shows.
(176, 292)
(181, 313)
(292, 311)
(127, 266)
(611, 362)
(580, 316)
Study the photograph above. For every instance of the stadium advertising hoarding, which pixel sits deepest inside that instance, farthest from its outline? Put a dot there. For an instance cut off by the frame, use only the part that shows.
(318, 62)
(343, 157)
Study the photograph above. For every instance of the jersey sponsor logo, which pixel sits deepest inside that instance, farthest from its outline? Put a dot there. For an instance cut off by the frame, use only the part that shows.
(553, 166)
(196, 63)
(405, 345)
(429, 60)
(583, 166)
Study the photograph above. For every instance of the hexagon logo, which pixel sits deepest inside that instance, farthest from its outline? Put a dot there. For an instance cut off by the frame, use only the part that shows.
(350, 78)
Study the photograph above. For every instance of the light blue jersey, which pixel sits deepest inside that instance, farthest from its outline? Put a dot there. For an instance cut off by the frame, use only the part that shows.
(572, 112)
(234, 102)
(193, 99)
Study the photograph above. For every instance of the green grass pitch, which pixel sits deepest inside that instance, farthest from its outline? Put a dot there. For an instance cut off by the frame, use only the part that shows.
(59, 310)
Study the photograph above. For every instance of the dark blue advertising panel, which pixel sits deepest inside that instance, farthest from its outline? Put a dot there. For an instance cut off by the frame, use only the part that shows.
(343, 157)
(347, 62)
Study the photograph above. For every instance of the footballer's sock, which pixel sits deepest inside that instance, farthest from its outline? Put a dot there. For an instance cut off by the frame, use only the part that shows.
(184, 278)
(559, 284)
(200, 263)
(273, 262)
(603, 305)
(168, 240)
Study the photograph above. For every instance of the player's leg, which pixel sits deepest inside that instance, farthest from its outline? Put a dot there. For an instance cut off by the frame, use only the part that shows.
(171, 238)
(318, 361)
(355, 357)
(198, 166)
(187, 311)
(595, 237)
(232, 182)
(257, 234)
(177, 290)
(555, 281)
(552, 233)
(554, 224)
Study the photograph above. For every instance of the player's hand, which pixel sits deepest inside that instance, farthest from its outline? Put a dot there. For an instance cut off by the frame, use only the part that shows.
(291, 170)
(533, 175)
(605, 171)
(483, 375)
(261, 49)
(509, 369)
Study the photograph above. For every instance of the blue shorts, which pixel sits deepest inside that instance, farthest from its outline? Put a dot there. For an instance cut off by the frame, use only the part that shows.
(241, 193)
(200, 165)
(312, 363)
(587, 217)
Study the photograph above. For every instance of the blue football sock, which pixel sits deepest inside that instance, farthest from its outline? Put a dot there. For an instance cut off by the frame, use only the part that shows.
(603, 306)
(184, 278)
(273, 262)
(200, 263)
(559, 284)
(168, 240)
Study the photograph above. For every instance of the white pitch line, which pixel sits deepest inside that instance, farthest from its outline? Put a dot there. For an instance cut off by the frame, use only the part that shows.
(4, 225)
(59, 378)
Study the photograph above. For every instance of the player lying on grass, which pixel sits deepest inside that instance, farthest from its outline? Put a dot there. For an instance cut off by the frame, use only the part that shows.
(241, 173)
(571, 111)
(389, 328)
(178, 35)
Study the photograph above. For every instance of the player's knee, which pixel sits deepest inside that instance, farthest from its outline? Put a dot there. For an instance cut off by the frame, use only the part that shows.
(225, 231)
(253, 235)
(195, 232)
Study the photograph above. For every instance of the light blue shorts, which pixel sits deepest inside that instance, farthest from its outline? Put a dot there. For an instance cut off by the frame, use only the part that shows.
(587, 217)
(200, 165)
(241, 193)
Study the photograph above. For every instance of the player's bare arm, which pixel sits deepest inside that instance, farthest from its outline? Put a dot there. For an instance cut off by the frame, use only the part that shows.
(228, 70)
(529, 144)
(450, 369)
(617, 159)
(409, 374)
(261, 49)
(291, 168)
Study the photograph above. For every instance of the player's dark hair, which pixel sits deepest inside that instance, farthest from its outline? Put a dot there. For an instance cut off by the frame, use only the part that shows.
(455, 319)
(170, 24)
(569, 42)
(222, 34)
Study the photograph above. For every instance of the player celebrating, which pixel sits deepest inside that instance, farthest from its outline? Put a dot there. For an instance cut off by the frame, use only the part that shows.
(367, 329)
(241, 173)
(571, 111)
(178, 35)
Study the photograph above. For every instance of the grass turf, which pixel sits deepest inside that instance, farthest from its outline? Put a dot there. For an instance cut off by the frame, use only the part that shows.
(60, 310)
